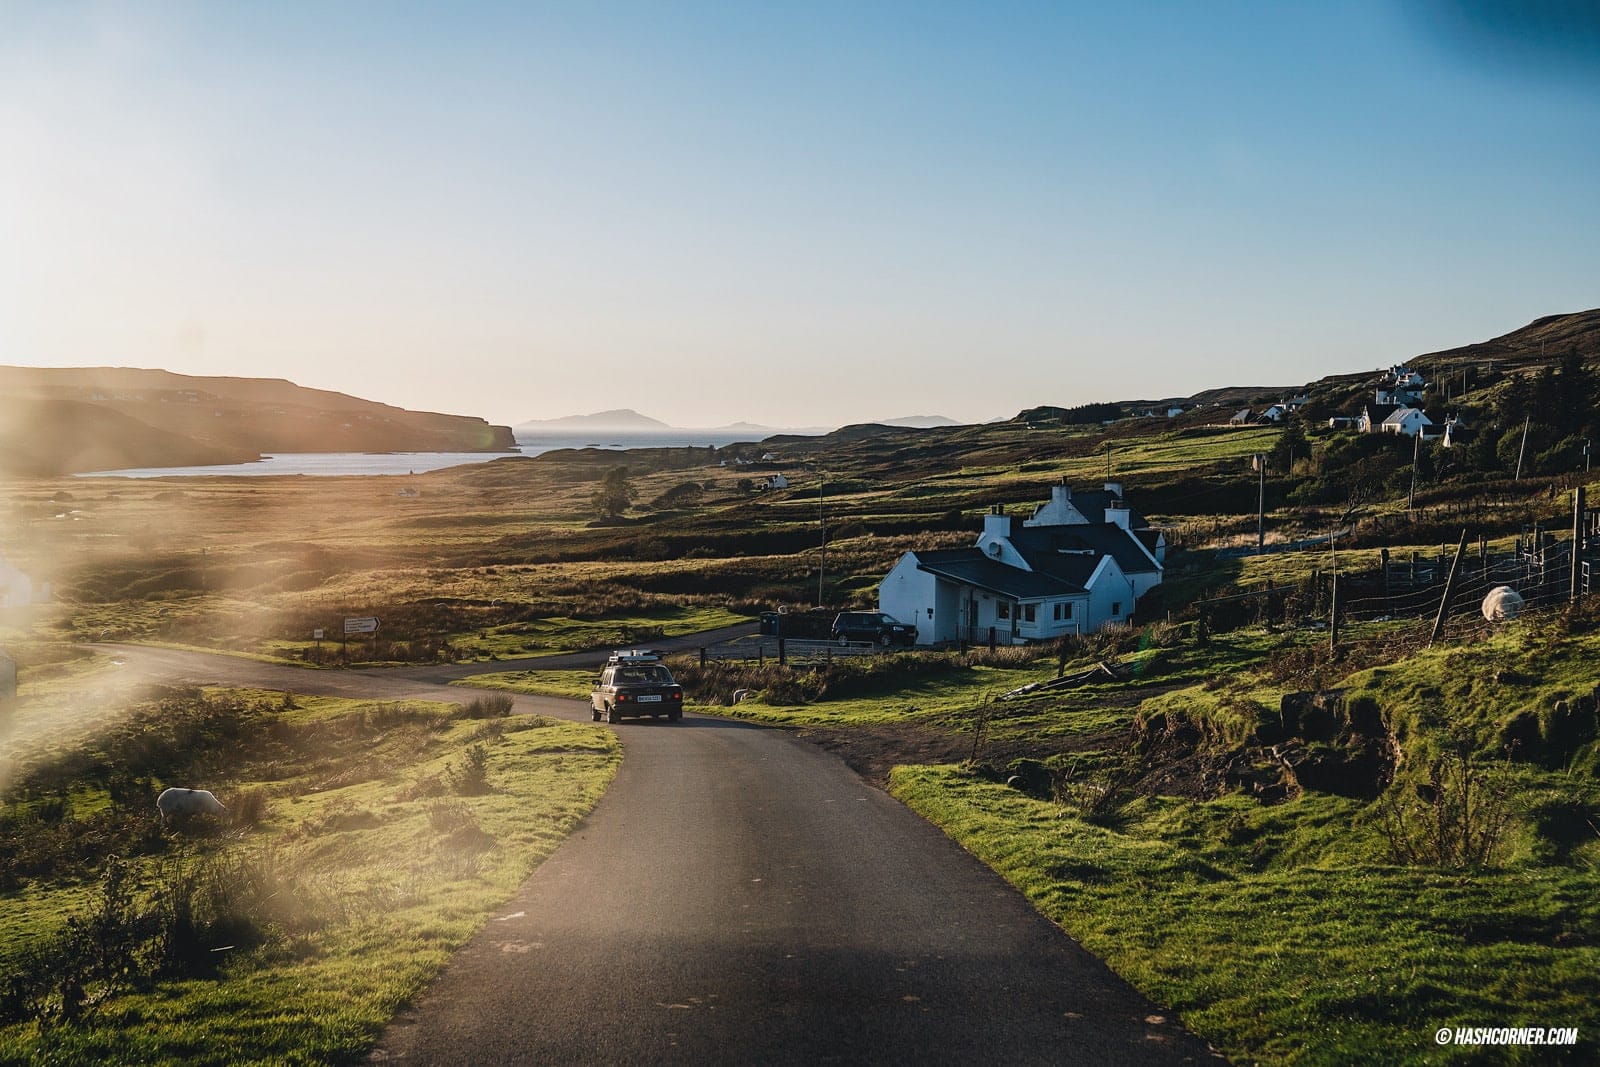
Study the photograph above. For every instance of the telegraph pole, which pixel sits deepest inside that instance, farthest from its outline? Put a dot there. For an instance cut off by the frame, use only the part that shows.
(1261, 502)
(1416, 453)
(822, 528)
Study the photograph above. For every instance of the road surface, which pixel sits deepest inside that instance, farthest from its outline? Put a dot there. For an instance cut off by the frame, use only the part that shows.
(739, 896)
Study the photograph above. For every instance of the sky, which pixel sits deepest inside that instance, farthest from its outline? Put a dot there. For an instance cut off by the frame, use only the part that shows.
(789, 214)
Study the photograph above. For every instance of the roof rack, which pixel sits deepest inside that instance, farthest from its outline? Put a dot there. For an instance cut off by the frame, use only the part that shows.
(633, 655)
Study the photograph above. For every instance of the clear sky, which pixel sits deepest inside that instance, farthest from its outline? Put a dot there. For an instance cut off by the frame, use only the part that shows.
(792, 214)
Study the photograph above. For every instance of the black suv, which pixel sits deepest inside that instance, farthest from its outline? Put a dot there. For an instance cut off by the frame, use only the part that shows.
(636, 683)
(872, 626)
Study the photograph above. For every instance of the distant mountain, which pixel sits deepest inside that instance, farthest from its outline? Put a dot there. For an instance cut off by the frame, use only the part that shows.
(64, 420)
(626, 420)
(919, 422)
(620, 419)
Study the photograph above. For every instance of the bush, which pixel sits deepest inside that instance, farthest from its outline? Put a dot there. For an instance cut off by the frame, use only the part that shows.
(1456, 818)
(493, 706)
(471, 776)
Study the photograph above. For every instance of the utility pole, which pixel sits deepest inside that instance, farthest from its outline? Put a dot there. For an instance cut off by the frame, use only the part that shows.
(1108, 461)
(1261, 502)
(1416, 453)
(822, 527)
(1522, 450)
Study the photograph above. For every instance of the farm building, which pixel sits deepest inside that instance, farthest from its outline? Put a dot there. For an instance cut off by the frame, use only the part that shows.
(1080, 564)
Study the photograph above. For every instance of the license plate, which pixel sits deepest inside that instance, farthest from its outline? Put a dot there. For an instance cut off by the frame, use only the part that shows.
(655, 699)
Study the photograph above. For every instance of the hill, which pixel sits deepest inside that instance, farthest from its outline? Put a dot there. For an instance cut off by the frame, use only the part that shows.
(69, 420)
(617, 419)
(1539, 344)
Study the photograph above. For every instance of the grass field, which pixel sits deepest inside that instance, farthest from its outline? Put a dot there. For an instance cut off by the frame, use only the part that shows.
(380, 838)
(1288, 924)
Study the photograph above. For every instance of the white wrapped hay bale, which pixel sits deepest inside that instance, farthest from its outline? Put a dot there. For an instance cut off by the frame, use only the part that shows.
(1502, 604)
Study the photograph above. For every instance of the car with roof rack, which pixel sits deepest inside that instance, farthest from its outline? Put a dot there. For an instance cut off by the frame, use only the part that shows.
(636, 683)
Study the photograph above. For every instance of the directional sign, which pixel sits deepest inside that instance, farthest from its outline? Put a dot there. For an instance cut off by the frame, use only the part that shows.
(360, 626)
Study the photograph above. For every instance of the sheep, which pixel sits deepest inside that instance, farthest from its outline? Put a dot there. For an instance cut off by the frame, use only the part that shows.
(177, 801)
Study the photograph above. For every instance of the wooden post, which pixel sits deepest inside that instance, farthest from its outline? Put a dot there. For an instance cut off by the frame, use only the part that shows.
(1578, 500)
(1333, 615)
(702, 657)
(1383, 561)
(1449, 586)
(991, 638)
(783, 654)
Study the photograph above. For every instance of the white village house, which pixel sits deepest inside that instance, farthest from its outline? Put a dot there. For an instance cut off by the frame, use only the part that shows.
(1078, 565)
(17, 589)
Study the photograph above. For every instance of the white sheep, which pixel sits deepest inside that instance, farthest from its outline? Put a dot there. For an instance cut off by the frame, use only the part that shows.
(177, 801)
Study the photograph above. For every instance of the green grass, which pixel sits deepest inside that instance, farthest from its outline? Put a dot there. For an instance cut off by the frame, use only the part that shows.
(354, 830)
(573, 684)
(1275, 932)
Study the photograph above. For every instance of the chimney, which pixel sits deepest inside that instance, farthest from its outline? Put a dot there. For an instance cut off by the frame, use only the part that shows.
(1117, 514)
(1115, 489)
(997, 523)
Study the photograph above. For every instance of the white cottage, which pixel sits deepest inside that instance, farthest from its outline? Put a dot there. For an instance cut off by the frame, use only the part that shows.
(16, 588)
(1081, 563)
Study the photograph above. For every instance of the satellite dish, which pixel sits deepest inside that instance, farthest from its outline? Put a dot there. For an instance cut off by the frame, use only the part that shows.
(1502, 604)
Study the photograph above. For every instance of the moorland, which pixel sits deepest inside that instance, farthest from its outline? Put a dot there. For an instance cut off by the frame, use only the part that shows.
(1317, 837)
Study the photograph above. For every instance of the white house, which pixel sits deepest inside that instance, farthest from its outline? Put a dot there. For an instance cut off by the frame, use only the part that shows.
(777, 481)
(16, 588)
(1456, 433)
(1275, 413)
(1408, 421)
(1079, 564)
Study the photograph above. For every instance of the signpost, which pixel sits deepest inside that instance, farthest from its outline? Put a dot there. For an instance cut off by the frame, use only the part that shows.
(368, 625)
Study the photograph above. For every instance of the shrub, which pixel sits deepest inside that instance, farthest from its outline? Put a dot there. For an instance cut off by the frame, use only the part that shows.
(1456, 818)
(249, 807)
(471, 776)
(492, 706)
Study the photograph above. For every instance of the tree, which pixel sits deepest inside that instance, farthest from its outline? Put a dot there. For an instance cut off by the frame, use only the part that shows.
(1291, 445)
(615, 494)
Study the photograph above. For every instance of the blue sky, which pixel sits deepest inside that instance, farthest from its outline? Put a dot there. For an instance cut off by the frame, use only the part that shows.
(793, 215)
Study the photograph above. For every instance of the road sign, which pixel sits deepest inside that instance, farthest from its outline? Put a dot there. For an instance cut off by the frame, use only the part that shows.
(316, 635)
(360, 626)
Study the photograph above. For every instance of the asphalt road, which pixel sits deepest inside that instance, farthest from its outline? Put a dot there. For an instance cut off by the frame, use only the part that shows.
(739, 896)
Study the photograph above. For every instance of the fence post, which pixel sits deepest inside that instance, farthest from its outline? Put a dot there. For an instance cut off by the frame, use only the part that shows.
(783, 654)
(1578, 502)
(991, 639)
(1333, 615)
(1449, 585)
(1383, 561)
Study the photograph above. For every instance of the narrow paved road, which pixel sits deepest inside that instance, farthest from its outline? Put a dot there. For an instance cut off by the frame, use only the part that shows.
(739, 896)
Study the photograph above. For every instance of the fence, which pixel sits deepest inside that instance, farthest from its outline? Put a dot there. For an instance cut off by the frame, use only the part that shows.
(788, 651)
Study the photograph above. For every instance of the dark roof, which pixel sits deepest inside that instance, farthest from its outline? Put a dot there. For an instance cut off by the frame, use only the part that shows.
(1093, 504)
(1067, 551)
(1376, 413)
(970, 566)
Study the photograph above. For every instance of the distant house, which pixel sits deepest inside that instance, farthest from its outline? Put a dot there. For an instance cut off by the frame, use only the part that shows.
(1242, 418)
(777, 481)
(16, 588)
(1080, 564)
(1409, 422)
(1456, 433)
(1295, 403)
(1274, 414)
(1372, 417)
(1174, 411)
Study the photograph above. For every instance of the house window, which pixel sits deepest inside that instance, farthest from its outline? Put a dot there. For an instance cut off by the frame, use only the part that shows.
(1030, 612)
(1064, 611)
(930, 613)
(1116, 607)
(1002, 610)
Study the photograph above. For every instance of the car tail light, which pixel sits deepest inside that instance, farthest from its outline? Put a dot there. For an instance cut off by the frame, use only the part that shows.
(677, 696)
(622, 698)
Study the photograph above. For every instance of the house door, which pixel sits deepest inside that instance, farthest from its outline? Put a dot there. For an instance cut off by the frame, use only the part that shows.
(972, 619)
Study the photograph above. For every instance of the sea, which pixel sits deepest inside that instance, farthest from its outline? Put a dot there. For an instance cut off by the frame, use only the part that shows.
(345, 464)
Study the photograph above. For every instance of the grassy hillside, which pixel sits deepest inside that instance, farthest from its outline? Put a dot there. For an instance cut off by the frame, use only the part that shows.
(61, 420)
